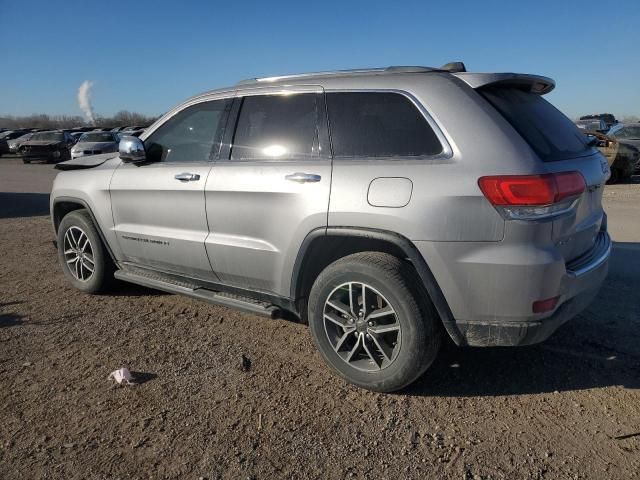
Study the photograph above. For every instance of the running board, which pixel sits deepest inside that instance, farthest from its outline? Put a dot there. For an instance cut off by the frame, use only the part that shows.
(219, 298)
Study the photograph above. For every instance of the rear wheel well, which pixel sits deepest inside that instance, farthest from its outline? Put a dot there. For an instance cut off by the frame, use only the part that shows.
(62, 209)
(325, 250)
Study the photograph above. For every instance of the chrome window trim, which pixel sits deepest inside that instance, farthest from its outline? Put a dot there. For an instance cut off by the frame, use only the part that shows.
(267, 90)
(447, 150)
(209, 97)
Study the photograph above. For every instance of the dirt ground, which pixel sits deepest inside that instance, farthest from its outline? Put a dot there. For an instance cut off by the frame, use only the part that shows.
(566, 409)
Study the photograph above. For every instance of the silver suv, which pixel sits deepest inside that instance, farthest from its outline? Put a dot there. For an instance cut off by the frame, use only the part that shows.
(385, 207)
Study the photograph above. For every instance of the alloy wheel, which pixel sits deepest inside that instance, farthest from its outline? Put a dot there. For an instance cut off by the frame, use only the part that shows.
(78, 254)
(362, 326)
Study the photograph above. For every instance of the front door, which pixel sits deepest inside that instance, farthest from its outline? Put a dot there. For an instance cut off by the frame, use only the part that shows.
(159, 206)
(271, 190)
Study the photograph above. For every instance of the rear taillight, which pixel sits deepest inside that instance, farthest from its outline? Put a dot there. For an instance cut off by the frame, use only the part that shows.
(529, 197)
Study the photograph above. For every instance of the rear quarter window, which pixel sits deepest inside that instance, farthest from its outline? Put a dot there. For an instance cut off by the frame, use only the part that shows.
(548, 131)
(378, 124)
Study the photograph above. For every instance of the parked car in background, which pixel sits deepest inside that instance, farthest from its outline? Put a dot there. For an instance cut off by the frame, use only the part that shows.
(132, 128)
(95, 143)
(623, 158)
(14, 145)
(8, 135)
(628, 134)
(592, 125)
(130, 133)
(361, 201)
(76, 136)
(608, 118)
(50, 147)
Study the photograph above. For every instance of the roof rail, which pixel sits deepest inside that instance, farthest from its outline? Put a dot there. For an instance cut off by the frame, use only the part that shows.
(452, 67)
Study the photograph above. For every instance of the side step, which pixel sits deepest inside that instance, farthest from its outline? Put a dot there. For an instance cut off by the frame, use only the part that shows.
(219, 298)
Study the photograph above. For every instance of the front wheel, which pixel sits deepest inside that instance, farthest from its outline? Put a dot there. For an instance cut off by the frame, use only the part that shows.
(372, 323)
(84, 259)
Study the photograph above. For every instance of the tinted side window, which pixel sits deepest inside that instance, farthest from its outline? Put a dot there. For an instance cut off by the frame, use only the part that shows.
(370, 124)
(277, 126)
(191, 135)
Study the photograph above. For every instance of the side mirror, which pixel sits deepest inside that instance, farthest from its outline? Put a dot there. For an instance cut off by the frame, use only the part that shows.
(131, 150)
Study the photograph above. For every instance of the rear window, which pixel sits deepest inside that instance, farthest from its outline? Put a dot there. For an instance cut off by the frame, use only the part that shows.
(378, 124)
(551, 134)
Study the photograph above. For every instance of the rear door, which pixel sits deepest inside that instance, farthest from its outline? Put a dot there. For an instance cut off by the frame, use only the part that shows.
(272, 188)
(159, 206)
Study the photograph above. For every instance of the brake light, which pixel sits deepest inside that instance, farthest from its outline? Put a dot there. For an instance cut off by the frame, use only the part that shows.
(533, 197)
(531, 190)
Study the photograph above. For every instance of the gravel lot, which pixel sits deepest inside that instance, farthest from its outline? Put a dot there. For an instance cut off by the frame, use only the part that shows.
(569, 408)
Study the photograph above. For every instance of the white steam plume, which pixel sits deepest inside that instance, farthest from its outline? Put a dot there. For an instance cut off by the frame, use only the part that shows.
(84, 100)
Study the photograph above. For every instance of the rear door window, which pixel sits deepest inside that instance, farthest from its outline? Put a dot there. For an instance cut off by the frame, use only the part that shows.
(272, 127)
(548, 131)
(378, 124)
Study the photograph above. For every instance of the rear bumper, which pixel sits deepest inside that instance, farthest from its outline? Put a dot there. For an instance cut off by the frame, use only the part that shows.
(527, 332)
(491, 288)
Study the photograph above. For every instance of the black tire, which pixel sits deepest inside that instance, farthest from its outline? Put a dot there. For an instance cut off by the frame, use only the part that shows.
(615, 176)
(102, 276)
(24, 160)
(397, 281)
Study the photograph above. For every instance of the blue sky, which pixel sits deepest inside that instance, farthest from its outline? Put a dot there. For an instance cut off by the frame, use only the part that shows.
(146, 56)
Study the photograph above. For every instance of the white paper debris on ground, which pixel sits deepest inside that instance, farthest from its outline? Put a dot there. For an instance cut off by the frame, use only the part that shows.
(122, 376)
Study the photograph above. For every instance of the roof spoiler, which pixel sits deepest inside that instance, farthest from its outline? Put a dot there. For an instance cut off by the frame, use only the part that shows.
(530, 83)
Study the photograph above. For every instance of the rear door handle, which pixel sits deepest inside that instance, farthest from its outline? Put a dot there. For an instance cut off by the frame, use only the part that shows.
(303, 177)
(187, 177)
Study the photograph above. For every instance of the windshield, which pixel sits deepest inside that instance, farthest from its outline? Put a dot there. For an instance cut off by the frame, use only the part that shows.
(549, 133)
(48, 136)
(629, 132)
(97, 137)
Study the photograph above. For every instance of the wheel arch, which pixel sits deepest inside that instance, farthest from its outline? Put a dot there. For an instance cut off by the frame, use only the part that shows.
(326, 245)
(62, 206)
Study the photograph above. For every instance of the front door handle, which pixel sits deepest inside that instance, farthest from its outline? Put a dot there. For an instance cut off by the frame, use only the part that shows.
(187, 177)
(303, 177)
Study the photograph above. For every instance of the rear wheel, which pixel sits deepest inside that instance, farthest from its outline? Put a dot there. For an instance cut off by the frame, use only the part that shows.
(372, 322)
(84, 260)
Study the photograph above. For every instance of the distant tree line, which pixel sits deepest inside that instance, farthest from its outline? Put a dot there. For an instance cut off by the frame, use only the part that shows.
(123, 118)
